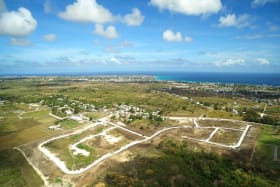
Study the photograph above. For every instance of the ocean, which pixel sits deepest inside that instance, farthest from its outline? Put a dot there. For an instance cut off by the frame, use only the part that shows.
(272, 79)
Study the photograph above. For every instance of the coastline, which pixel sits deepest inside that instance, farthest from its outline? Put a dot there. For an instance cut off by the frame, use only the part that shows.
(257, 79)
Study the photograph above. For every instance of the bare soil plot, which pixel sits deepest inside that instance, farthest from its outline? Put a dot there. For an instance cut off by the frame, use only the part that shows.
(226, 137)
(61, 148)
(222, 114)
(95, 115)
(148, 129)
(94, 143)
(110, 142)
(221, 123)
(197, 133)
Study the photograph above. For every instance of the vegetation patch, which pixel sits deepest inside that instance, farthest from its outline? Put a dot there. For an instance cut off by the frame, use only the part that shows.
(222, 123)
(68, 123)
(15, 171)
(177, 166)
(269, 136)
(226, 137)
(95, 115)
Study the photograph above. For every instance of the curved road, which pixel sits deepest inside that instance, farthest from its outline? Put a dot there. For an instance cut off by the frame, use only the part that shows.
(63, 167)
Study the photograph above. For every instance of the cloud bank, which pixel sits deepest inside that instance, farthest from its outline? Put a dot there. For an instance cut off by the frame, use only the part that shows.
(135, 18)
(86, 11)
(238, 21)
(171, 36)
(230, 62)
(257, 3)
(189, 7)
(263, 61)
(17, 23)
(109, 32)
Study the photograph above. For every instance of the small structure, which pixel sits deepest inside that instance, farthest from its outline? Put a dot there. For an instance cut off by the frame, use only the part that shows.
(77, 118)
(54, 127)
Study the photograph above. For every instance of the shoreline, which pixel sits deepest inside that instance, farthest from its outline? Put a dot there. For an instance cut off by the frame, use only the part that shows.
(253, 79)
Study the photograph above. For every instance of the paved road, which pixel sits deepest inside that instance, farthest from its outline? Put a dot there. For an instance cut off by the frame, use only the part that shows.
(57, 117)
(215, 130)
(84, 152)
(63, 167)
(123, 128)
(212, 134)
(262, 114)
(45, 180)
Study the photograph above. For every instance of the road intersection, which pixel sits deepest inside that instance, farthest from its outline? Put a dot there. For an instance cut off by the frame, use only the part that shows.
(143, 138)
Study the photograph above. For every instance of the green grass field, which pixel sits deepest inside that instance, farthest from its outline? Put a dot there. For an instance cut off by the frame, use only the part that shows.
(268, 137)
(69, 124)
(15, 171)
(95, 115)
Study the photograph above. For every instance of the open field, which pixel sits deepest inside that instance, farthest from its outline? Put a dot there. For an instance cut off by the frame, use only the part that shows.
(227, 137)
(95, 115)
(269, 137)
(222, 123)
(15, 171)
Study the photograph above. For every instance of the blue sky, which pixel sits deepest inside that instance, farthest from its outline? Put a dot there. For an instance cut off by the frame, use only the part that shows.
(61, 36)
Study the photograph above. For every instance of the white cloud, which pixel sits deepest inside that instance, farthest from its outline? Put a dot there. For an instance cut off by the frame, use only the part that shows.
(256, 3)
(228, 20)
(231, 20)
(17, 23)
(115, 60)
(171, 36)
(47, 6)
(86, 11)
(110, 32)
(20, 42)
(189, 7)
(135, 18)
(230, 62)
(49, 37)
(188, 39)
(263, 61)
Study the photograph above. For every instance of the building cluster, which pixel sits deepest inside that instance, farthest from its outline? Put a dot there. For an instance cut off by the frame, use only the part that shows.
(129, 113)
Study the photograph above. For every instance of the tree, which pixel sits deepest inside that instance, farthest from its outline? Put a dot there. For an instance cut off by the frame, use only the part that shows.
(251, 116)
(76, 110)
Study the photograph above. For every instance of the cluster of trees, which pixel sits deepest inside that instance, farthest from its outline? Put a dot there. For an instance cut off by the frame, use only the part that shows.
(56, 111)
(57, 100)
(253, 116)
(178, 166)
